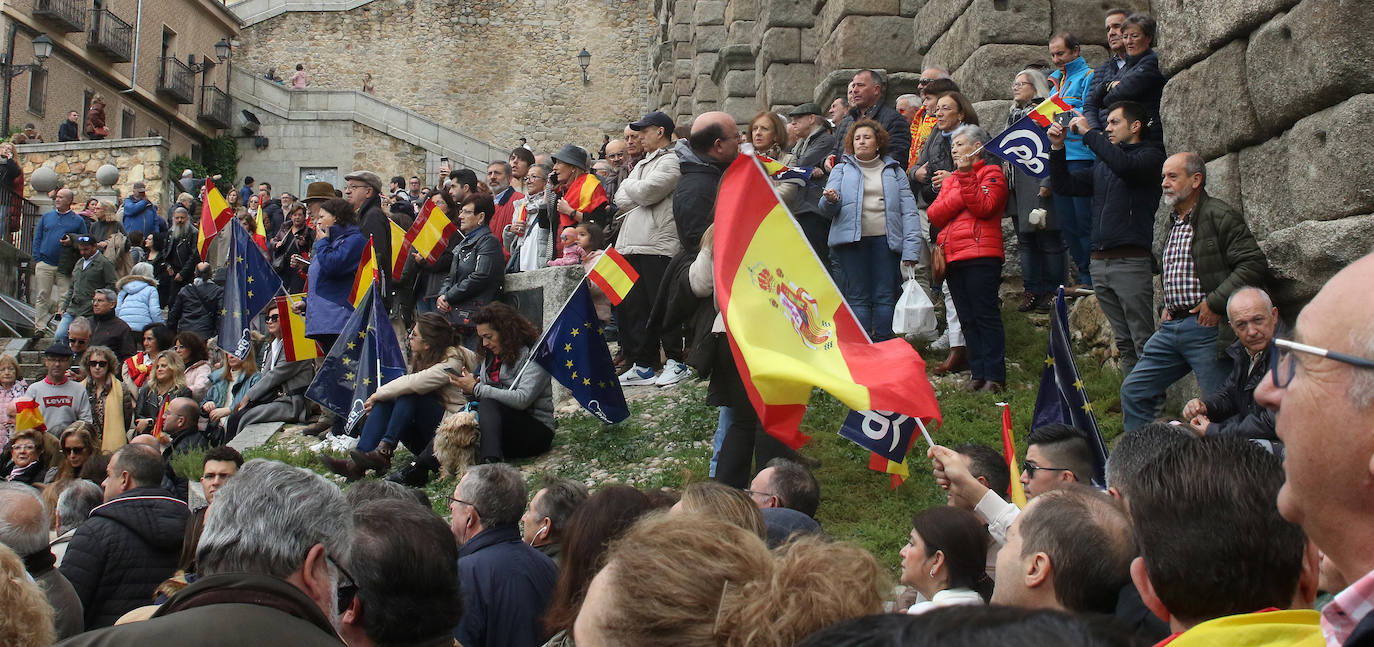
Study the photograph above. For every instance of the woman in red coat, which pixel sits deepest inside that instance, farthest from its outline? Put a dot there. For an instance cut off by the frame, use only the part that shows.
(968, 213)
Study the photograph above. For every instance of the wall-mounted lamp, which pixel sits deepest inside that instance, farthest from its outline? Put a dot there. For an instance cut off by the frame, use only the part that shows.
(222, 51)
(42, 49)
(584, 59)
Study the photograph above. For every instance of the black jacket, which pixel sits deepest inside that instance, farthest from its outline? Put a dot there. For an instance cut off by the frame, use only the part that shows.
(476, 272)
(898, 131)
(1142, 82)
(1232, 409)
(196, 309)
(694, 197)
(184, 257)
(124, 551)
(229, 609)
(111, 331)
(1124, 185)
(373, 221)
(68, 131)
(817, 149)
(506, 586)
(1094, 110)
(271, 211)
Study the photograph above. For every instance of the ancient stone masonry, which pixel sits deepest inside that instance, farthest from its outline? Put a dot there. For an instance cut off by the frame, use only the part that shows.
(1274, 94)
(138, 160)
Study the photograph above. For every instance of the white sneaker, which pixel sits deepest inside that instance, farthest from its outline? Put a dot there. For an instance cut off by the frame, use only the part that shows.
(637, 375)
(942, 343)
(673, 372)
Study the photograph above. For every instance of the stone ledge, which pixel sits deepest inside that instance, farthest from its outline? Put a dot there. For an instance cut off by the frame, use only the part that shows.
(93, 145)
(252, 12)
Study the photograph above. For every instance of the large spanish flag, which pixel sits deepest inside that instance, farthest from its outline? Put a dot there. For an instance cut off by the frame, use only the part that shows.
(215, 215)
(295, 345)
(586, 193)
(431, 231)
(613, 274)
(367, 274)
(789, 328)
(27, 415)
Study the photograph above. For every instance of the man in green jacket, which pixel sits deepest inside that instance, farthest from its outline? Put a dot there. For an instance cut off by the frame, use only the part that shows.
(92, 272)
(1209, 254)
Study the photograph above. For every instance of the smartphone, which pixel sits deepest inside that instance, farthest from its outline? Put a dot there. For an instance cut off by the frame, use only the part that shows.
(1064, 118)
(452, 371)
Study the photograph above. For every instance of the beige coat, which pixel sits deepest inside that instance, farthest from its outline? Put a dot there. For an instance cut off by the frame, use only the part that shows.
(650, 229)
(433, 379)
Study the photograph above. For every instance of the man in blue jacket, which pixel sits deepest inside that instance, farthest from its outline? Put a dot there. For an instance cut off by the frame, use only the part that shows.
(141, 214)
(57, 228)
(1070, 82)
(506, 584)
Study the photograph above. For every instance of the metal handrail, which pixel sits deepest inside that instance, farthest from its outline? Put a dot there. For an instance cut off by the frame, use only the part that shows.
(110, 34)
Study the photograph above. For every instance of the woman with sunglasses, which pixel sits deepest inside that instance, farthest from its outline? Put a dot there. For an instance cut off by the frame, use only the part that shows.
(77, 444)
(229, 383)
(112, 405)
(168, 382)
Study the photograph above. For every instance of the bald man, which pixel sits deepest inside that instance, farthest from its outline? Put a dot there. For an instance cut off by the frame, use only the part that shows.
(620, 165)
(712, 146)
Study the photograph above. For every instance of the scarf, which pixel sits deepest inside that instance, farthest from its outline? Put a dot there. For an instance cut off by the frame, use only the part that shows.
(112, 434)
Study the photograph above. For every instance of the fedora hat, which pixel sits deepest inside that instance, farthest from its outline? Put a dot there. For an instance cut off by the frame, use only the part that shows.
(319, 191)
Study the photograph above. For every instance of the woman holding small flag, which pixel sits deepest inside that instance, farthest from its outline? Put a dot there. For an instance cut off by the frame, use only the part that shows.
(168, 382)
(1037, 235)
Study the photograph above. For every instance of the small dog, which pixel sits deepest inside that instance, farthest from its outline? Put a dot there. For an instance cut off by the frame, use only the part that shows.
(455, 443)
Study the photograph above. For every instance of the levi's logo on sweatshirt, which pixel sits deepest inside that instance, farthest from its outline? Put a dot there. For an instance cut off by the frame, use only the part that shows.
(57, 401)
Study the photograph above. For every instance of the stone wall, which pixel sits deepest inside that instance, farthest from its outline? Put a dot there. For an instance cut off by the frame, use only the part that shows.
(138, 160)
(497, 70)
(1270, 92)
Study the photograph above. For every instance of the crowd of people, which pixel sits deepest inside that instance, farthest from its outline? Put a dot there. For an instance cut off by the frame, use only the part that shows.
(1231, 524)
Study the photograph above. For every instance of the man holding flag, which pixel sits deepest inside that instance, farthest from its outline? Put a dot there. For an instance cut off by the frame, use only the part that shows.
(1070, 82)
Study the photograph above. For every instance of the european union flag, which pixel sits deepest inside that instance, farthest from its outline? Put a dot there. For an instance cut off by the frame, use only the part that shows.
(1026, 145)
(365, 356)
(1061, 398)
(251, 286)
(574, 352)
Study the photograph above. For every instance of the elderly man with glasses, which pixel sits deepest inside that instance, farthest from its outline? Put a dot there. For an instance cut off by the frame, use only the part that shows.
(1232, 410)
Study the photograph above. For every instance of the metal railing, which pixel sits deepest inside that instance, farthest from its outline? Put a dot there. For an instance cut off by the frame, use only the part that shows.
(177, 81)
(214, 106)
(110, 36)
(69, 14)
(16, 281)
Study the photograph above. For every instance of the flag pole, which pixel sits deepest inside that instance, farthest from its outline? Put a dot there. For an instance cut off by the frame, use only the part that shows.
(545, 334)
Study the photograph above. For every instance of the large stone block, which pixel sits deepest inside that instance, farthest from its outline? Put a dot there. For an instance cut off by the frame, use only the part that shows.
(780, 45)
(833, 85)
(1223, 179)
(680, 32)
(991, 21)
(1190, 29)
(1095, 55)
(835, 10)
(787, 83)
(704, 63)
(682, 11)
(933, 19)
(709, 12)
(988, 73)
(740, 32)
(992, 115)
(741, 10)
(1305, 255)
(740, 83)
(706, 90)
(872, 42)
(1086, 19)
(732, 57)
(900, 83)
(1264, 188)
(710, 38)
(1314, 56)
(1207, 109)
(741, 108)
(682, 68)
(785, 13)
(909, 8)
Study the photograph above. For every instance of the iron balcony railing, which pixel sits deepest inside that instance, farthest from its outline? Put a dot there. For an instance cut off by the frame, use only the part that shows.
(110, 36)
(177, 81)
(70, 15)
(214, 106)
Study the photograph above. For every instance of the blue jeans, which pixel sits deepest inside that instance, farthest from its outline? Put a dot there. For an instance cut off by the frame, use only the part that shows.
(427, 304)
(1076, 224)
(973, 285)
(870, 278)
(1042, 260)
(1179, 346)
(723, 420)
(62, 326)
(409, 419)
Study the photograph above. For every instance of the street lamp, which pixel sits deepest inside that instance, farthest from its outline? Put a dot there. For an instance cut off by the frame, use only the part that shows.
(222, 51)
(42, 49)
(584, 58)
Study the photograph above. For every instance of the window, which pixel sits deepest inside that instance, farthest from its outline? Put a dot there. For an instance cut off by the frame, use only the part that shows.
(126, 123)
(195, 152)
(38, 90)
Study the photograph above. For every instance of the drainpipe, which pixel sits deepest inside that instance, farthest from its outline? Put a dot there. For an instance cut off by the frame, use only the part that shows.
(138, 33)
(9, 57)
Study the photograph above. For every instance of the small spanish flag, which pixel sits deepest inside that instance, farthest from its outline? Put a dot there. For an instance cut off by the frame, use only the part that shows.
(215, 215)
(1045, 112)
(367, 274)
(779, 171)
(586, 193)
(1017, 493)
(613, 274)
(295, 345)
(161, 413)
(28, 416)
(400, 249)
(431, 231)
(260, 231)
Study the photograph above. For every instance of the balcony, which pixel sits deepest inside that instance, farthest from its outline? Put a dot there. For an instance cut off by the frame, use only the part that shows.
(70, 15)
(110, 36)
(177, 81)
(214, 106)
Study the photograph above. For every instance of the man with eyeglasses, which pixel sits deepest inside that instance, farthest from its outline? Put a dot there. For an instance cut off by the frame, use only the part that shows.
(1232, 410)
(364, 191)
(1321, 388)
(1209, 254)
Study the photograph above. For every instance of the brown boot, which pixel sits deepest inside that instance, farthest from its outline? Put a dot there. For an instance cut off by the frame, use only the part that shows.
(343, 467)
(378, 459)
(956, 361)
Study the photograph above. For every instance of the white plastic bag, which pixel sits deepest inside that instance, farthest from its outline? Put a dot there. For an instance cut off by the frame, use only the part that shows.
(915, 314)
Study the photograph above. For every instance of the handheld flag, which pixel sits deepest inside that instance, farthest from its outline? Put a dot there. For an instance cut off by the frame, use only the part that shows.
(574, 352)
(1015, 491)
(295, 345)
(215, 215)
(1045, 113)
(779, 171)
(887, 435)
(400, 249)
(789, 329)
(613, 274)
(432, 229)
(27, 415)
(1025, 145)
(586, 193)
(367, 274)
(251, 286)
(260, 231)
(365, 356)
(161, 413)
(1062, 398)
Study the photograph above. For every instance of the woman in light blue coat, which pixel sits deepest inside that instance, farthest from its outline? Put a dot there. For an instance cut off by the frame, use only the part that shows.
(138, 303)
(874, 226)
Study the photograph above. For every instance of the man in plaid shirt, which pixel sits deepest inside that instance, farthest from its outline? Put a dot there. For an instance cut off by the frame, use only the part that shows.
(1210, 253)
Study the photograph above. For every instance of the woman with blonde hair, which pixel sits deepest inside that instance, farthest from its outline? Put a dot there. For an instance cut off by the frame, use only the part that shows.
(711, 499)
(112, 405)
(77, 444)
(11, 388)
(229, 383)
(704, 582)
(167, 383)
(28, 618)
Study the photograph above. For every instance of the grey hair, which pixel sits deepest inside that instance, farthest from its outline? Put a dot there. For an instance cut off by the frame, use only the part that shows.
(1245, 289)
(24, 531)
(108, 294)
(182, 210)
(81, 323)
(561, 498)
(911, 99)
(496, 491)
(143, 269)
(940, 72)
(974, 132)
(267, 518)
(75, 503)
(1037, 80)
(503, 164)
(1194, 165)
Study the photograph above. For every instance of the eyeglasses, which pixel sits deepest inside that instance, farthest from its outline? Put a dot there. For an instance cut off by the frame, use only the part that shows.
(470, 505)
(98, 362)
(347, 587)
(73, 450)
(924, 82)
(1019, 84)
(24, 448)
(766, 495)
(1029, 469)
(1282, 365)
